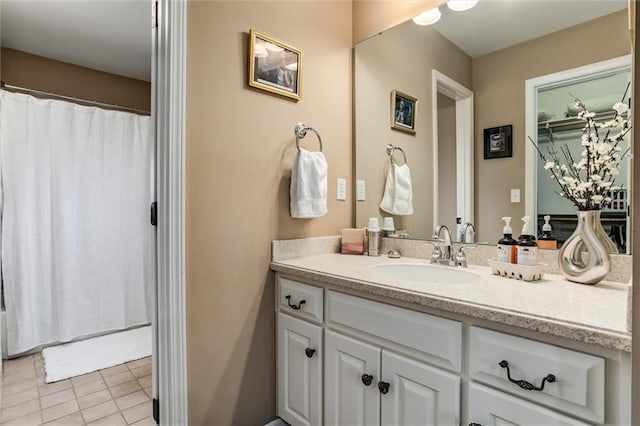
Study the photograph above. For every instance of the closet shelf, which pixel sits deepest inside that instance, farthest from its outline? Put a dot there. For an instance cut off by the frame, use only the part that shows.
(573, 123)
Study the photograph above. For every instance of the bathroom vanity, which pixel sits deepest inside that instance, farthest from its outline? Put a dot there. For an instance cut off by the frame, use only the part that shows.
(364, 340)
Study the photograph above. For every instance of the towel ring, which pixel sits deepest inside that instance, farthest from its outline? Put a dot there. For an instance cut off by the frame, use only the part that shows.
(391, 149)
(301, 131)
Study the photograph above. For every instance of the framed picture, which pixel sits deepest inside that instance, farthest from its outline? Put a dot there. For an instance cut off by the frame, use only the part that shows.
(497, 142)
(274, 66)
(403, 112)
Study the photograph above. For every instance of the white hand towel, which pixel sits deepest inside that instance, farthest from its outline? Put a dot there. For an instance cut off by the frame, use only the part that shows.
(308, 191)
(398, 195)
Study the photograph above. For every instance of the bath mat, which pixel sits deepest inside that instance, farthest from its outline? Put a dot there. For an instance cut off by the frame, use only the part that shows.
(86, 356)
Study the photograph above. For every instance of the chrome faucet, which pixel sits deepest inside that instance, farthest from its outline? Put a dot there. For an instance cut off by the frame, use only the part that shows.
(442, 255)
(464, 230)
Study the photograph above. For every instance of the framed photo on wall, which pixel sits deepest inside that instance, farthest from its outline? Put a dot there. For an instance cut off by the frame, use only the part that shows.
(274, 66)
(403, 112)
(498, 142)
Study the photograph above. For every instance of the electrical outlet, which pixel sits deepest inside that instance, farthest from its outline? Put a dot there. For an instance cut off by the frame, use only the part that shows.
(515, 196)
(342, 189)
(361, 190)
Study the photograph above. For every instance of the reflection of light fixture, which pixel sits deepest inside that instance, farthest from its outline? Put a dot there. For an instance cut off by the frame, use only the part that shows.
(273, 48)
(259, 50)
(292, 67)
(429, 17)
(460, 5)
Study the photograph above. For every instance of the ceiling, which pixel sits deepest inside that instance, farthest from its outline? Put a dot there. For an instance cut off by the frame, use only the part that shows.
(108, 35)
(497, 24)
(115, 35)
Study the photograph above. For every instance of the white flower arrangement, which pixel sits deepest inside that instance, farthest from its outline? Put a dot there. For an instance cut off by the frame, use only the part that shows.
(589, 182)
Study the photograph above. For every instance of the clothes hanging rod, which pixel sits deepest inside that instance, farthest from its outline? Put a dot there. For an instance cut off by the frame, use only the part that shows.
(11, 87)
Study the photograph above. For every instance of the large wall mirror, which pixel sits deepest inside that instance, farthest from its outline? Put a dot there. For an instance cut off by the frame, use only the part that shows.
(487, 53)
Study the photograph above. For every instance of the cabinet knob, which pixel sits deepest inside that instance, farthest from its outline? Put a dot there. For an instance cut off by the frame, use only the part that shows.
(550, 378)
(383, 387)
(309, 352)
(294, 306)
(367, 379)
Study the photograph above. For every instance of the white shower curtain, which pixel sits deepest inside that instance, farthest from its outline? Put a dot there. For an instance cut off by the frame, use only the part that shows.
(78, 251)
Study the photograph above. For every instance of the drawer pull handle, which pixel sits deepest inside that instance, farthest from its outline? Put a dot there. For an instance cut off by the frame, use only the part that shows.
(367, 379)
(523, 383)
(475, 424)
(309, 352)
(383, 387)
(295, 307)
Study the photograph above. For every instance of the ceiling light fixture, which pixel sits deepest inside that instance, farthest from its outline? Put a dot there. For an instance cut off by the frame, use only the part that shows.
(460, 5)
(429, 17)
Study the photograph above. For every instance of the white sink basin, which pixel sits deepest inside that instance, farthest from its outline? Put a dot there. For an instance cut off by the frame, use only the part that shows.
(426, 273)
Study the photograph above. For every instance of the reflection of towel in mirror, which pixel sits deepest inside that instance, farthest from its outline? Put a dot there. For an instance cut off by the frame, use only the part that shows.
(397, 198)
(308, 191)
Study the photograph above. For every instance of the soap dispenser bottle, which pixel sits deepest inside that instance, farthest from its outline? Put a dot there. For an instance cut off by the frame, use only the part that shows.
(547, 241)
(507, 246)
(527, 246)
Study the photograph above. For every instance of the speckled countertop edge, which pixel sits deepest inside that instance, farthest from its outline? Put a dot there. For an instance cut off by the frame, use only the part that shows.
(601, 337)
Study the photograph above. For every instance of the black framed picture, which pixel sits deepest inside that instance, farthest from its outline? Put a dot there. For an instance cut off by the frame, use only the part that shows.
(498, 142)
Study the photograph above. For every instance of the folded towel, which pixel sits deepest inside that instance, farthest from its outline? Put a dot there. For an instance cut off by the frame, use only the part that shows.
(397, 198)
(308, 191)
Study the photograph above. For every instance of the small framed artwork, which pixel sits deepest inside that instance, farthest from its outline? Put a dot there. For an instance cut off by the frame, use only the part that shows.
(498, 142)
(274, 66)
(403, 112)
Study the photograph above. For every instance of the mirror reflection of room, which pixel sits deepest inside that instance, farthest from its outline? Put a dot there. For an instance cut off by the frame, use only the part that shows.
(493, 63)
(559, 126)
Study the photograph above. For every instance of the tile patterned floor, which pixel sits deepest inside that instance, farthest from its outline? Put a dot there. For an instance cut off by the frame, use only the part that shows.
(119, 395)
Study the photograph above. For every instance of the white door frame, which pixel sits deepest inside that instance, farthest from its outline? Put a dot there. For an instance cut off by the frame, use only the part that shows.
(548, 81)
(440, 83)
(168, 106)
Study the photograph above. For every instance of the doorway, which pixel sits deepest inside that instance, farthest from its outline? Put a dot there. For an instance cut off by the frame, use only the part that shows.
(47, 69)
(452, 107)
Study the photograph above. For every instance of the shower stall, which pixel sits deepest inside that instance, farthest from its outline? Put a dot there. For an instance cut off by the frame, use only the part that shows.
(77, 246)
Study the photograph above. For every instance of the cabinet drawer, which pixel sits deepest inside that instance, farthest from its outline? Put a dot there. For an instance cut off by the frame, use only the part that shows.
(579, 386)
(301, 300)
(491, 407)
(438, 338)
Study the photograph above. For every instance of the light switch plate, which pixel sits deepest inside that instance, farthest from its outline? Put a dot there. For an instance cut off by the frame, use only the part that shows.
(515, 195)
(341, 189)
(361, 191)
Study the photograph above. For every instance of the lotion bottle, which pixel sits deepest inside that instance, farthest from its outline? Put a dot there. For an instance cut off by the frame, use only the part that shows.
(527, 246)
(507, 246)
(547, 241)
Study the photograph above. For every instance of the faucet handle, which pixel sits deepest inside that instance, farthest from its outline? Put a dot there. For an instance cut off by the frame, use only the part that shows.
(437, 251)
(461, 259)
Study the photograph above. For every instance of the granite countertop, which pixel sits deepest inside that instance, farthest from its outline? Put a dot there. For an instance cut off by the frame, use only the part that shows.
(593, 314)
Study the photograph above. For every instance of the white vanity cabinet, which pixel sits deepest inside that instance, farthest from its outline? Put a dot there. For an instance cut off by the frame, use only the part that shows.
(299, 352)
(368, 385)
(348, 360)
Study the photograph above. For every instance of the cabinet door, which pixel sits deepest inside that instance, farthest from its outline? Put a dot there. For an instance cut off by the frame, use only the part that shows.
(417, 394)
(299, 371)
(489, 407)
(350, 397)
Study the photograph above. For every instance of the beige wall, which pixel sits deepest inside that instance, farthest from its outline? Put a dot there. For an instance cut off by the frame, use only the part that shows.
(498, 86)
(370, 17)
(447, 194)
(36, 72)
(240, 147)
(382, 64)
